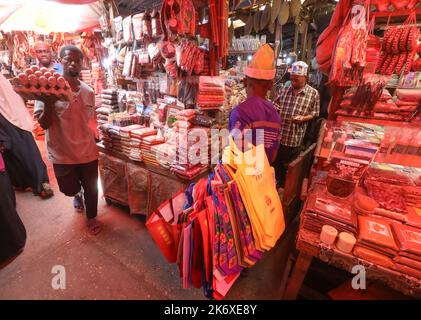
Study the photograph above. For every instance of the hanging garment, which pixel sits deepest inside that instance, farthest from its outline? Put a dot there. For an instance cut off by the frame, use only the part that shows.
(23, 159)
(12, 230)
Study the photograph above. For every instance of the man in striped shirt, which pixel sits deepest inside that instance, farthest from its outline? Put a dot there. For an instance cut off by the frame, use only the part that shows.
(299, 104)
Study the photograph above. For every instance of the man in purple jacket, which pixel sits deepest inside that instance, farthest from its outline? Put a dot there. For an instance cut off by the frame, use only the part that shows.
(257, 113)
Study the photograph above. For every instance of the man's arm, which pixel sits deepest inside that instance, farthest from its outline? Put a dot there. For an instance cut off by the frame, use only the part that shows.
(314, 113)
(43, 112)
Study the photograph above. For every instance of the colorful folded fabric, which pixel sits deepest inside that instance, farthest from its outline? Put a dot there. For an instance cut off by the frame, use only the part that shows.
(408, 238)
(376, 234)
(373, 256)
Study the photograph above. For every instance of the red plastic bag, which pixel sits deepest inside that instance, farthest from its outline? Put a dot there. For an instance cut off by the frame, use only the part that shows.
(166, 236)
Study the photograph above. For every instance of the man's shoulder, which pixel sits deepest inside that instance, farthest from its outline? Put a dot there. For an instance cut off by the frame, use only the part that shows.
(85, 87)
(312, 90)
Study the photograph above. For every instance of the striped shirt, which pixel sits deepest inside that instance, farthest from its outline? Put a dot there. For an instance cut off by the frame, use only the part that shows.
(306, 102)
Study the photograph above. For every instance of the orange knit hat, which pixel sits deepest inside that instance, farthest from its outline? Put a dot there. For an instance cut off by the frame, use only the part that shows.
(262, 66)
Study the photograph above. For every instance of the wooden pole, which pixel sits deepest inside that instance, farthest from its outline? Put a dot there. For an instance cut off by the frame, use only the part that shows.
(309, 47)
(304, 40)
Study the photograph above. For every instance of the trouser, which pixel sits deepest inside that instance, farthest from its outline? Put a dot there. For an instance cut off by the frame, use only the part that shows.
(71, 178)
(284, 157)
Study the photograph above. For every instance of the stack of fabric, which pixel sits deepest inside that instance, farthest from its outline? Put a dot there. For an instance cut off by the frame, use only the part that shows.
(375, 241)
(136, 138)
(408, 260)
(109, 99)
(211, 93)
(192, 154)
(135, 144)
(164, 154)
(102, 114)
(125, 138)
(147, 145)
(320, 211)
(98, 81)
(105, 136)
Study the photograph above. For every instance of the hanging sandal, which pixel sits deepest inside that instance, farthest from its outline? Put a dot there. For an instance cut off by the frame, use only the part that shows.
(78, 202)
(94, 226)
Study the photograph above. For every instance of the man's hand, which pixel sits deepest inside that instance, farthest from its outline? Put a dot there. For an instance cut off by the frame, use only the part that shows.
(49, 100)
(301, 119)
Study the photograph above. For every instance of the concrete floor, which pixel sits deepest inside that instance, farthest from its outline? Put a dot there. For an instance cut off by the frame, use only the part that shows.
(122, 262)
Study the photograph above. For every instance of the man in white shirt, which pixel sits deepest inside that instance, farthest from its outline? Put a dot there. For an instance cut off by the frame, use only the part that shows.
(71, 139)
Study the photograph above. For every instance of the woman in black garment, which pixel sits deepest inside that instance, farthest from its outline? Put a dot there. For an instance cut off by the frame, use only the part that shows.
(12, 230)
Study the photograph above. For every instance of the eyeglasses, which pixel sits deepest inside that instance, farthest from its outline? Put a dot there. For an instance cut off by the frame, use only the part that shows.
(42, 51)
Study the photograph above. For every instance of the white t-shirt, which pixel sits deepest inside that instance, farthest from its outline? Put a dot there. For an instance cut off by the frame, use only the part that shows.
(71, 135)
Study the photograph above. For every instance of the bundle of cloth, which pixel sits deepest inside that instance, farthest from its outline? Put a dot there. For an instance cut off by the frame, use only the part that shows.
(408, 260)
(139, 148)
(376, 242)
(211, 93)
(408, 101)
(192, 152)
(102, 114)
(148, 142)
(164, 153)
(125, 138)
(320, 211)
(109, 99)
(105, 135)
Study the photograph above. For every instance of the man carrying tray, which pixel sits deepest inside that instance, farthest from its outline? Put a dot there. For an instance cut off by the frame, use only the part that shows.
(70, 135)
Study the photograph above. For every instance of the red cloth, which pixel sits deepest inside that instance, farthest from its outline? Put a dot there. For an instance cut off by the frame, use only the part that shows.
(409, 238)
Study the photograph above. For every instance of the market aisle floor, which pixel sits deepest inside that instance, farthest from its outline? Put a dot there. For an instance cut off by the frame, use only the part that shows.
(122, 262)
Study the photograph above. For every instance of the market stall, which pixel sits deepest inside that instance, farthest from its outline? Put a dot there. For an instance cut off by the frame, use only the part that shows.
(361, 200)
(362, 205)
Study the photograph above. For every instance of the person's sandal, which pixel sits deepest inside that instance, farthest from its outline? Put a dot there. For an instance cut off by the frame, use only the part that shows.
(94, 226)
(46, 191)
(78, 202)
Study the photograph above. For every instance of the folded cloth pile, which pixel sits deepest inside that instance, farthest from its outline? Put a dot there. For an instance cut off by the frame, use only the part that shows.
(211, 93)
(413, 196)
(125, 141)
(192, 152)
(137, 144)
(105, 135)
(150, 157)
(320, 211)
(408, 260)
(102, 114)
(117, 139)
(163, 154)
(190, 173)
(376, 234)
(109, 99)
(186, 115)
